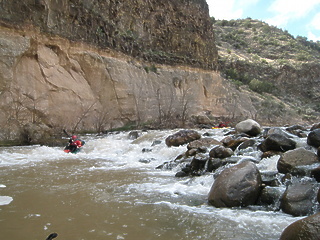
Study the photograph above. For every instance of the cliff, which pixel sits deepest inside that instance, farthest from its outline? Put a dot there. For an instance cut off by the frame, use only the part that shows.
(91, 66)
(166, 32)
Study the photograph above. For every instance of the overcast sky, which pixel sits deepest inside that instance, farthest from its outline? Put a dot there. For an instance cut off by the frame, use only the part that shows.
(298, 17)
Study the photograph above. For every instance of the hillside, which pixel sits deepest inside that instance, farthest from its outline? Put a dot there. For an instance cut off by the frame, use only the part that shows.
(281, 72)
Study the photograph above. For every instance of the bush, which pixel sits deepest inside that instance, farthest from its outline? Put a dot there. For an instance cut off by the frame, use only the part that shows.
(260, 86)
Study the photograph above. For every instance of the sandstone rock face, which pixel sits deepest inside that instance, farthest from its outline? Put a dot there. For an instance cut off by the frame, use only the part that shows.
(70, 85)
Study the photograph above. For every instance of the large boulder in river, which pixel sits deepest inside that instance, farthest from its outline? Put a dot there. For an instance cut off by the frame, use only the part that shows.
(314, 138)
(249, 127)
(292, 159)
(182, 137)
(304, 229)
(299, 198)
(236, 186)
(277, 142)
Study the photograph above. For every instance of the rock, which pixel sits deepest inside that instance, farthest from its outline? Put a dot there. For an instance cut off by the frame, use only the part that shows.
(277, 130)
(269, 154)
(246, 143)
(313, 138)
(277, 142)
(315, 173)
(181, 174)
(249, 127)
(304, 229)
(236, 186)
(271, 195)
(296, 158)
(220, 152)
(203, 142)
(198, 163)
(318, 152)
(270, 178)
(297, 130)
(133, 135)
(298, 199)
(156, 142)
(182, 137)
(233, 141)
(295, 127)
(315, 126)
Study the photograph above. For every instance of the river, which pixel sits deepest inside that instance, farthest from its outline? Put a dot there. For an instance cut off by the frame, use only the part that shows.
(112, 190)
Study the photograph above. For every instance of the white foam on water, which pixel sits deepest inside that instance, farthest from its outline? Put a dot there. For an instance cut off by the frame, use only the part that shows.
(5, 200)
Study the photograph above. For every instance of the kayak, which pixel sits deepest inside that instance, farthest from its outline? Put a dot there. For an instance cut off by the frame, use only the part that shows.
(220, 127)
(69, 151)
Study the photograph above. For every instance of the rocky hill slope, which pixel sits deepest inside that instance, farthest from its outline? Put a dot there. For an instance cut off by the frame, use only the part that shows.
(282, 73)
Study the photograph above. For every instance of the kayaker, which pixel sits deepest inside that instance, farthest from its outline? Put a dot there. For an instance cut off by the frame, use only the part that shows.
(74, 144)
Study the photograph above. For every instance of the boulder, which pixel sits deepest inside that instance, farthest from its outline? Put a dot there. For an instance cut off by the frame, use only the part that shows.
(133, 135)
(249, 127)
(304, 229)
(203, 142)
(313, 138)
(199, 163)
(246, 143)
(297, 130)
(315, 126)
(298, 199)
(278, 130)
(233, 141)
(220, 152)
(315, 173)
(271, 195)
(292, 159)
(277, 142)
(182, 137)
(236, 186)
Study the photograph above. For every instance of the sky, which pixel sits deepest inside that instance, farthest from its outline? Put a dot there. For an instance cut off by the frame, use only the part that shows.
(298, 17)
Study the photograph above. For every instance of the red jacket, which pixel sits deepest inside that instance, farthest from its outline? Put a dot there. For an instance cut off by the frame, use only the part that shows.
(77, 143)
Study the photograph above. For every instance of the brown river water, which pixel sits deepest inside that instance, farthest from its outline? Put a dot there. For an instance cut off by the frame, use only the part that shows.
(112, 190)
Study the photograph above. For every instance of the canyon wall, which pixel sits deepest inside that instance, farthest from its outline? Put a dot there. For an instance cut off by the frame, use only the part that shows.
(51, 76)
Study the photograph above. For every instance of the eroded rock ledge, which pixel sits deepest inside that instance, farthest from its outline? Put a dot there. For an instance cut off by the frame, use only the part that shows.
(167, 31)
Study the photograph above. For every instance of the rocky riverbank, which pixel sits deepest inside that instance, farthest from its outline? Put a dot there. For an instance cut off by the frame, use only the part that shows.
(292, 188)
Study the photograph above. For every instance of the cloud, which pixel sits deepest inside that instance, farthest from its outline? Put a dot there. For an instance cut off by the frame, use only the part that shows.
(285, 10)
(224, 9)
(313, 27)
(229, 9)
(315, 22)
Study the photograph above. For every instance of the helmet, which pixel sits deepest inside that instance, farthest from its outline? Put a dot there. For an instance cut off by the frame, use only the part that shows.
(74, 137)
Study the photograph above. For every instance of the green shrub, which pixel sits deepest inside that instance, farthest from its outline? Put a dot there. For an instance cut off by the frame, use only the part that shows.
(260, 86)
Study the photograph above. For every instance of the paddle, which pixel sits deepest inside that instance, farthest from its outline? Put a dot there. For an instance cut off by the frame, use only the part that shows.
(52, 236)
